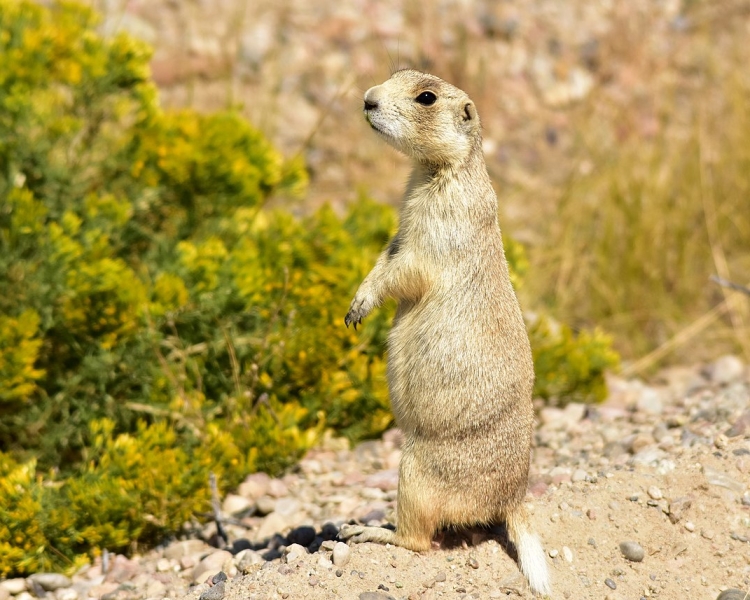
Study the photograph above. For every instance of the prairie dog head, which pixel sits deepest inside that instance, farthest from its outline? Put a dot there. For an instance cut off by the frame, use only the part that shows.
(424, 117)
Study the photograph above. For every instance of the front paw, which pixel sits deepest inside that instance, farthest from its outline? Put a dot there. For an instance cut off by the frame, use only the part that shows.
(359, 309)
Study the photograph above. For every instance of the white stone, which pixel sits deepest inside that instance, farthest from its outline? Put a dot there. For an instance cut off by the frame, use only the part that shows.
(294, 552)
(567, 554)
(211, 565)
(234, 504)
(14, 586)
(254, 486)
(341, 554)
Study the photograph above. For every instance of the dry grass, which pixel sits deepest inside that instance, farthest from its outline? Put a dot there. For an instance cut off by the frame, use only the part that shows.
(632, 243)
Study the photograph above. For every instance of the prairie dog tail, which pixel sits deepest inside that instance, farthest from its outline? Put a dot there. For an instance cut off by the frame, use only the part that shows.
(531, 557)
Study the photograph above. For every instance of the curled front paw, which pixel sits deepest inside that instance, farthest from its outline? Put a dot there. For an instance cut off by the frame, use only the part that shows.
(358, 310)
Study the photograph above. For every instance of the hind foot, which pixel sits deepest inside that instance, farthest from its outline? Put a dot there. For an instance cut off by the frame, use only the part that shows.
(359, 534)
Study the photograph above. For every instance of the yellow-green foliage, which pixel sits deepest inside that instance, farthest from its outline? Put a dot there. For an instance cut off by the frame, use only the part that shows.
(157, 323)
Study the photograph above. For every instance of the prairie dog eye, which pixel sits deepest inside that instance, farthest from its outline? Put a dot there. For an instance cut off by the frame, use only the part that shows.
(426, 98)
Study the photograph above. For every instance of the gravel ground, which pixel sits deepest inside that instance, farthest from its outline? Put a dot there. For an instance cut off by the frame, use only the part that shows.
(643, 496)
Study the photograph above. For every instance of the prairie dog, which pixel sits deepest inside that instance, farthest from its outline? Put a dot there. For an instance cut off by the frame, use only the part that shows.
(460, 370)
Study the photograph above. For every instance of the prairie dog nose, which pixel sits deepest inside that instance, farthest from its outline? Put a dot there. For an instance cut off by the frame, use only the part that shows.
(372, 98)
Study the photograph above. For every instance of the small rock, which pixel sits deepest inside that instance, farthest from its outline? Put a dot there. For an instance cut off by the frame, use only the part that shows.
(567, 554)
(329, 532)
(375, 596)
(718, 478)
(733, 594)
(553, 553)
(287, 507)
(254, 486)
(163, 565)
(211, 565)
(654, 492)
(246, 560)
(277, 488)
(740, 426)
(214, 593)
(219, 577)
(294, 552)
(641, 442)
(14, 586)
(689, 526)
(324, 563)
(341, 554)
(725, 370)
(177, 550)
(473, 562)
(633, 551)
(271, 524)
(51, 581)
(265, 505)
(304, 536)
(649, 401)
(235, 505)
(68, 594)
(579, 475)
(678, 506)
(610, 583)
(707, 534)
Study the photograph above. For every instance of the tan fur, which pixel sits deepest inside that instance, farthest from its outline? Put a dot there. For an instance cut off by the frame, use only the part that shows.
(460, 370)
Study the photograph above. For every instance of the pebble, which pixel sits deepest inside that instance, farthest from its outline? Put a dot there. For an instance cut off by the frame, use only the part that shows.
(14, 586)
(725, 370)
(473, 562)
(553, 553)
(721, 479)
(304, 536)
(50, 582)
(211, 565)
(654, 492)
(567, 554)
(341, 554)
(214, 593)
(375, 596)
(579, 475)
(294, 552)
(235, 504)
(689, 526)
(733, 594)
(610, 583)
(254, 486)
(633, 551)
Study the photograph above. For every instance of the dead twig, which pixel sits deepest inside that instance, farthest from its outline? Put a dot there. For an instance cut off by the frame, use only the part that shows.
(216, 506)
(731, 285)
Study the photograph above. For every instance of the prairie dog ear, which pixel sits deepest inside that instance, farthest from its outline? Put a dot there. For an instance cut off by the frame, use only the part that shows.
(469, 112)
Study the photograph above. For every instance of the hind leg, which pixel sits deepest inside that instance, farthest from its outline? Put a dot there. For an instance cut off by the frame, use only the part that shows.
(418, 514)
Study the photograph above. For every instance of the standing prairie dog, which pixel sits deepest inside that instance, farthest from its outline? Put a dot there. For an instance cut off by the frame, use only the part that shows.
(460, 370)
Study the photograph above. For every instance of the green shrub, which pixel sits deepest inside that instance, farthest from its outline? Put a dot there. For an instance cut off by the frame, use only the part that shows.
(157, 323)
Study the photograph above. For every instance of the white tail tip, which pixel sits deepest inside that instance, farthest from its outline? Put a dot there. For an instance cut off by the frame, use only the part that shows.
(533, 563)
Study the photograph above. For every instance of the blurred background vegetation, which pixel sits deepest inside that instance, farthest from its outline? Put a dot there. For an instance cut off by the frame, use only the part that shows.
(175, 266)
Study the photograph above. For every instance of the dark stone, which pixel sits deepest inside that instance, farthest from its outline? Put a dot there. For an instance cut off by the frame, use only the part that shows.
(329, 532)
(214, 593)
(304, 536)
(241, 544)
